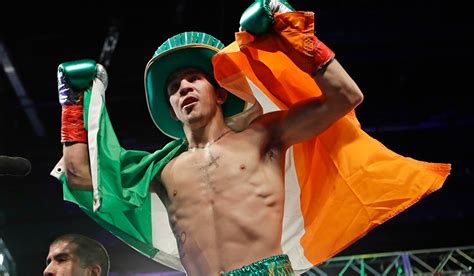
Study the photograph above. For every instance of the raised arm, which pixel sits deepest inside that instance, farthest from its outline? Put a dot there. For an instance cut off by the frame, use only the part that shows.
(73, 78)
(311, 117)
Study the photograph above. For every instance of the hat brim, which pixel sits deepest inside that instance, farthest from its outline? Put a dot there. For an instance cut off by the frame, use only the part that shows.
(160, 67)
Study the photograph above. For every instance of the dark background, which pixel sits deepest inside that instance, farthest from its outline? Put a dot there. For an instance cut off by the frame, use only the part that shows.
(412, 59)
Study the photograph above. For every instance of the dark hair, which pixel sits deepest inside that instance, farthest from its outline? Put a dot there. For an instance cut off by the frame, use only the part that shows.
(89, 251)
(209, 78)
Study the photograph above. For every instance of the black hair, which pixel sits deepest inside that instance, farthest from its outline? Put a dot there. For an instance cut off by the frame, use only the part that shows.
(89, 251)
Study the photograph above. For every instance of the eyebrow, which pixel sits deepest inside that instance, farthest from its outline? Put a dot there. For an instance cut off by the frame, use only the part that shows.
(180, 73)
(184, 72)
(57, 256)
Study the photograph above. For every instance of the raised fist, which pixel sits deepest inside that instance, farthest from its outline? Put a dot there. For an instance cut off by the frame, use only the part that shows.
(73, 78)
(258, 17)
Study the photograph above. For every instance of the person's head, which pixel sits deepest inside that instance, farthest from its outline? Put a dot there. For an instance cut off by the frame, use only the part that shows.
(76, 255)
(185, 51)
(193, 96)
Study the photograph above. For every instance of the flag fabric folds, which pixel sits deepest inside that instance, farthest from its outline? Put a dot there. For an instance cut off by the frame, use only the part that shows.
(344, 181)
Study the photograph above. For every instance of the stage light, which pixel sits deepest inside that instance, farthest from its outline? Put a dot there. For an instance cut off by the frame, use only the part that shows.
(7, 266)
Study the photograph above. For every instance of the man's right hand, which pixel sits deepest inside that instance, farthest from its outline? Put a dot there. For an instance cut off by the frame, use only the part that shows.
(258, 17)
(73, 78)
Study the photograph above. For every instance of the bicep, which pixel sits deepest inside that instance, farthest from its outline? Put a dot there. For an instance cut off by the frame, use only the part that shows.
(310, 117)
(336, 84)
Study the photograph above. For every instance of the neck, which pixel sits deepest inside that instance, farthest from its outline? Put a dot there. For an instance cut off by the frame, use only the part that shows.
(209, 142)
(206, 131)
(199, 137)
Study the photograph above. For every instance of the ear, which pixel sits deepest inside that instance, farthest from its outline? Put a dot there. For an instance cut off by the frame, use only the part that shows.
(221, 95)
(96, 270)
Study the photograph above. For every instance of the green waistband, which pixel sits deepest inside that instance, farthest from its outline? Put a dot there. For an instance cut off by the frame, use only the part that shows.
(274, 265)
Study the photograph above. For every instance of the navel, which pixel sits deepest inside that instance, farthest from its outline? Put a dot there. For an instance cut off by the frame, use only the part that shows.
(242, 166)
(175, 193)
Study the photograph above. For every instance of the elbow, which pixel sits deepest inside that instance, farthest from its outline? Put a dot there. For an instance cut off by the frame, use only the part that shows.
(77, 179)
(357, 97)
(352, 96)
(76, 182)
(77, 168)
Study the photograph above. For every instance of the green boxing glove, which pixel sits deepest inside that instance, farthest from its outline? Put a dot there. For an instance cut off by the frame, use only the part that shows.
(73, 79)
(258, 17)
(78, 74)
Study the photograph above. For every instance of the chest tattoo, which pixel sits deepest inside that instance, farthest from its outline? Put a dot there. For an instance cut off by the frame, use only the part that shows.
(211, 161)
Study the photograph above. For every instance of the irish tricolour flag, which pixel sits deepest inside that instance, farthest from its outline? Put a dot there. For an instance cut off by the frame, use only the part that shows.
(339, 185)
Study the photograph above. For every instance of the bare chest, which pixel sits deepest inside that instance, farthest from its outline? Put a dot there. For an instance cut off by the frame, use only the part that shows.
(214, 168)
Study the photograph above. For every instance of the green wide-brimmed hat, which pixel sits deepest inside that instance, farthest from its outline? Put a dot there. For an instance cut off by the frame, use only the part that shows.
(188, 49)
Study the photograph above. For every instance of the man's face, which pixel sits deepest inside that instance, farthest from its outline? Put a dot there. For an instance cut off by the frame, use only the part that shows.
(62, 261)
(192, 96)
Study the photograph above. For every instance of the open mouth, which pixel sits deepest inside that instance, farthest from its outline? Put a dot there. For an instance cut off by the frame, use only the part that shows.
(188, 102)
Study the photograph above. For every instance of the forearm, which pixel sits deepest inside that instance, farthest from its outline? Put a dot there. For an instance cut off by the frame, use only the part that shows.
(76, 162)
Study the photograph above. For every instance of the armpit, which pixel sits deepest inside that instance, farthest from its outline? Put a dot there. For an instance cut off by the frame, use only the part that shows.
(157, 187)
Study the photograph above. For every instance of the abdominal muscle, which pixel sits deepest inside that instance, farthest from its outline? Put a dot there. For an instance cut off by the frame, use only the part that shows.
(227, 213)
